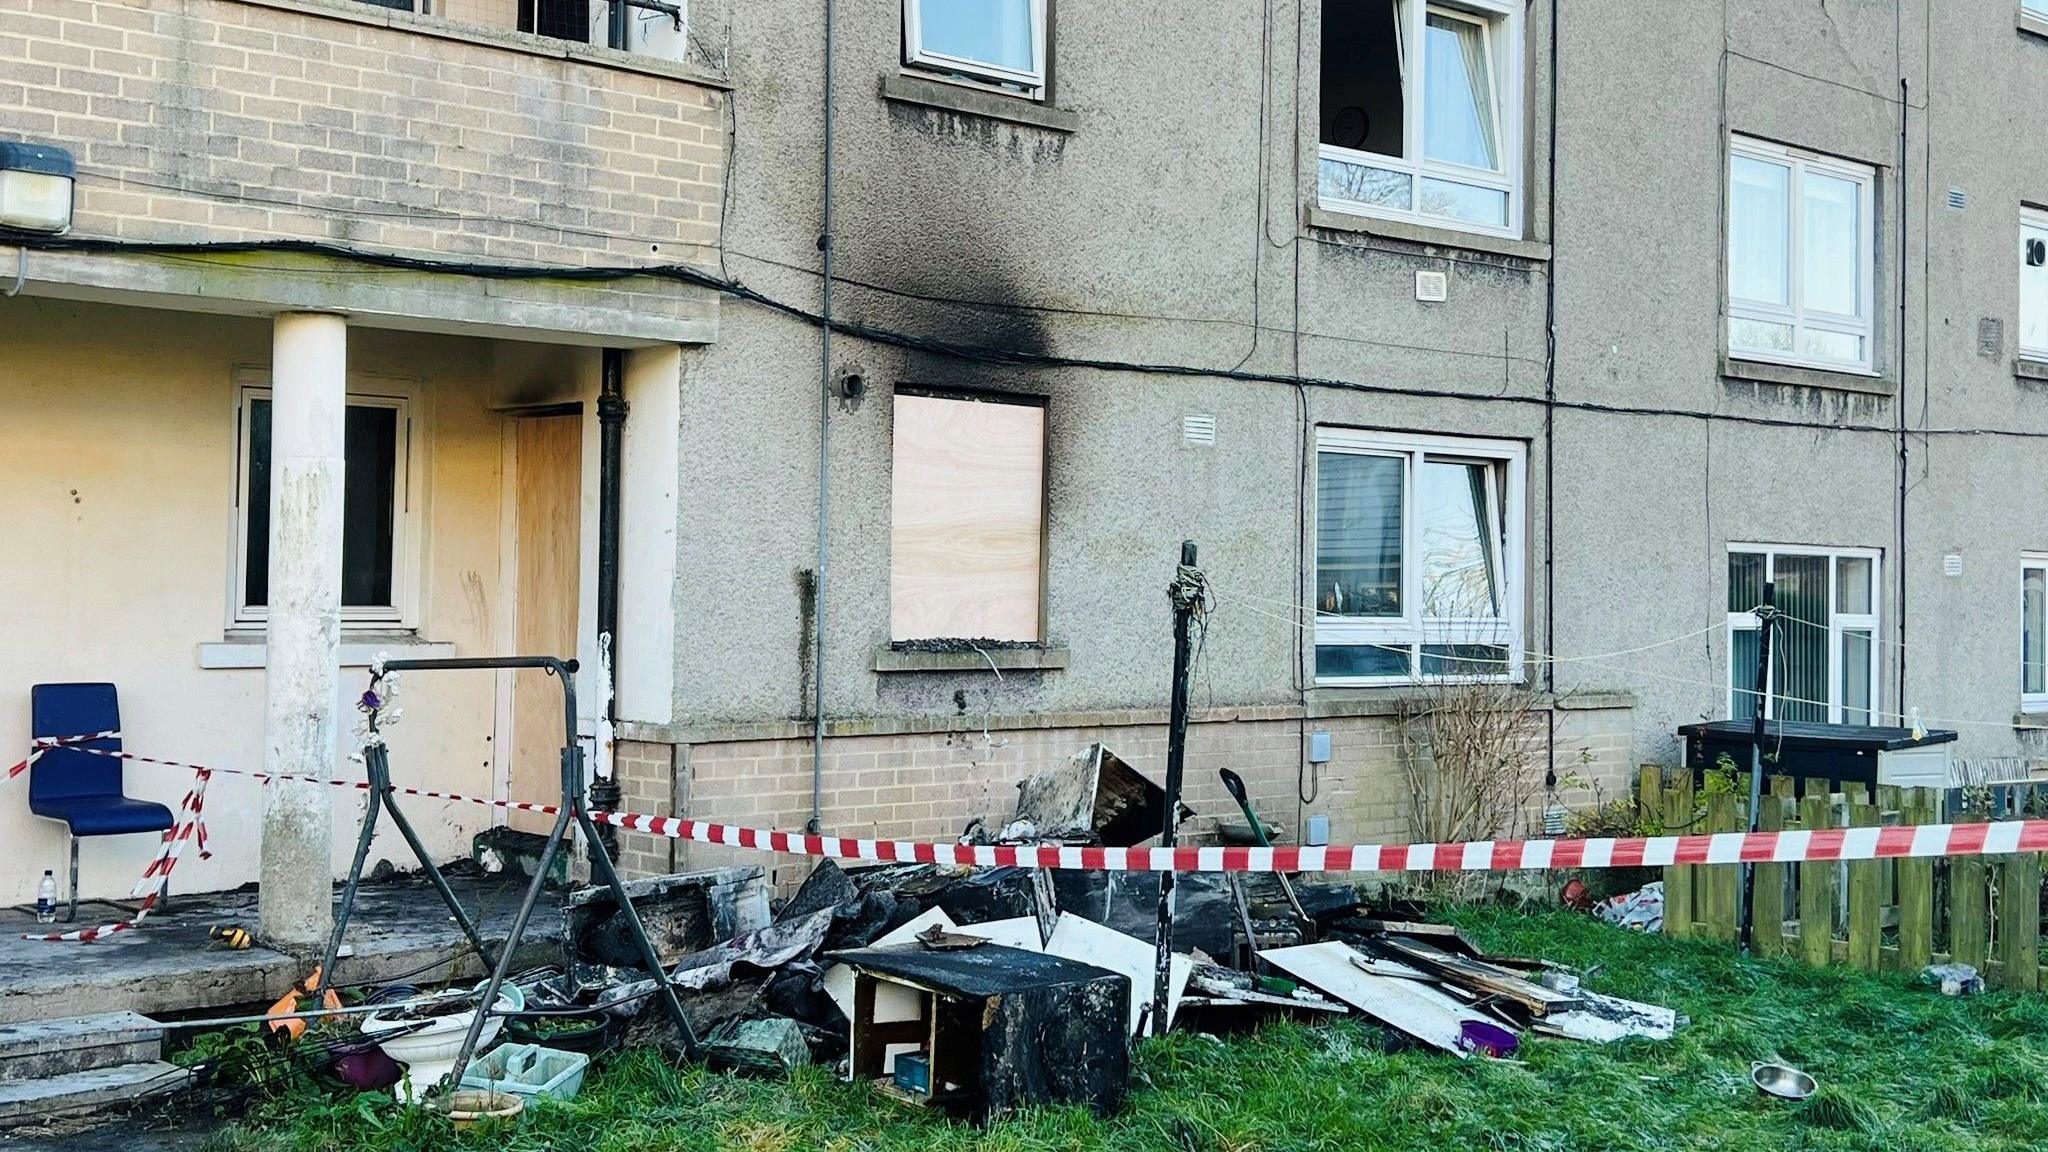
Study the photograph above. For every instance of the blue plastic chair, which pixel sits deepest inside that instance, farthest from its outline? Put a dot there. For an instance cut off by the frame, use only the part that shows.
(79, 789)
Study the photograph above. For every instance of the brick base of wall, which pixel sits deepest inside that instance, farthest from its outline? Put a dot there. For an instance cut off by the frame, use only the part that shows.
(646, 776)
(929, 785)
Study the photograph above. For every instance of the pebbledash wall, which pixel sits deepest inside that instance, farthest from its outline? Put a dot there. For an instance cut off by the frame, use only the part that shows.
(923, 780)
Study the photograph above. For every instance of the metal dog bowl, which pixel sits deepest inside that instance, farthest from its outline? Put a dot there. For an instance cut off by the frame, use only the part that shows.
(1784, 1082)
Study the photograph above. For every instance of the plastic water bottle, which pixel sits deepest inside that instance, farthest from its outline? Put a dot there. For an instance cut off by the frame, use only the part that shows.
(46, 898)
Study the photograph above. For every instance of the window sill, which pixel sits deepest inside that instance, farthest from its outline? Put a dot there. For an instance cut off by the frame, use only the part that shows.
(2033, 25)
(2031, 717)
(1330, 701)
(1531, 250)
(967, 101)
(357, 650)
(1799, 376)
(1042, 659)
(2030, 369)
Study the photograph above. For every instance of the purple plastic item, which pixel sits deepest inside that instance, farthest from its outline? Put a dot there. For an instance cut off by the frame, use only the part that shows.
(368, 1069)
(1487, 1039)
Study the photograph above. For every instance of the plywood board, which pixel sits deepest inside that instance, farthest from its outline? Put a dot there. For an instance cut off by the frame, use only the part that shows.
(547, 492)
(1604, 1019)
(1077, 938)
(1405, 1005)
(966, 519)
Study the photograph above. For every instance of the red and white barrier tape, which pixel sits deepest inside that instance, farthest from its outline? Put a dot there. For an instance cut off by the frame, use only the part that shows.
(189, 824)
(360, 785)
(1479, 856)
(45, 743)
(1926, 840)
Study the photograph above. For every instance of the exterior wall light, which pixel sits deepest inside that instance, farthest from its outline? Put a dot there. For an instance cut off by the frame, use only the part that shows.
(36, 183)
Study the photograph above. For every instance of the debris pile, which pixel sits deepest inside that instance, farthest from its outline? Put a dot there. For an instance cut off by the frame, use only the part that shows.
(979, 990)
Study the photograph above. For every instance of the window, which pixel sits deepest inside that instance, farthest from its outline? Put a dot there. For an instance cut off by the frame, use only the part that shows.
(1421, 112)
(1823, 656)
(967, 517)
(2034, 632)
(1418, 558)
(2037, 7)
(2034, 283)
(1800, 263)
(995, 41)
(377, 448)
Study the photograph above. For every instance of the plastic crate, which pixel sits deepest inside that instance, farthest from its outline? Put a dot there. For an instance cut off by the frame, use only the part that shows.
(528, 1070)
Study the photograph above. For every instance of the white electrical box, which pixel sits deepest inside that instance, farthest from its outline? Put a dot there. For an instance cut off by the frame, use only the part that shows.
(1432, 287)
(1927, 766)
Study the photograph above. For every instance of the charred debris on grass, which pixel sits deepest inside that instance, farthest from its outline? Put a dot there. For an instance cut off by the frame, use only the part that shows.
(980, 990)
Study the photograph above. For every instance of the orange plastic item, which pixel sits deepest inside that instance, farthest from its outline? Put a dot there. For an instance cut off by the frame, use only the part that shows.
(293, 1027)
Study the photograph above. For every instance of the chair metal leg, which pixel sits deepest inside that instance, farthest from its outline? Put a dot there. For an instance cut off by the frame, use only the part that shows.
(72, 913)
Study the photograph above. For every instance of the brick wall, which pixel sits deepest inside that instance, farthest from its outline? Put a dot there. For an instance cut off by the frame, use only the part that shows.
(646, 776)
(204, 120)
(928, 785)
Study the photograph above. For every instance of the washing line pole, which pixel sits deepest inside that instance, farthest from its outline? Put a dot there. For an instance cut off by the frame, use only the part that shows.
(1186, 594)
(1767, 618)
(816, 822)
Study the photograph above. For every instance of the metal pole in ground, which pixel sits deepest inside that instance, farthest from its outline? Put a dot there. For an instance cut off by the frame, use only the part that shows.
(1186, 594)
(1767, 617)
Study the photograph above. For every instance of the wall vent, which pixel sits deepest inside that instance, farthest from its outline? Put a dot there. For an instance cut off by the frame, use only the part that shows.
(1198, 429)
(1957, 200)
(1432, 287)
(1990, 337)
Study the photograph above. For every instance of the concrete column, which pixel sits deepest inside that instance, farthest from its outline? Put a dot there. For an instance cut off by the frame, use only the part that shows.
(308, 409)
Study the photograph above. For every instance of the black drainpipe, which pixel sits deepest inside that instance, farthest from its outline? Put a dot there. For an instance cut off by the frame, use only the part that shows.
(611, 427)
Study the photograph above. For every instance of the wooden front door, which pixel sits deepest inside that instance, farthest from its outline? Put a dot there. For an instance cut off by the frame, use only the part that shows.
(548, 486)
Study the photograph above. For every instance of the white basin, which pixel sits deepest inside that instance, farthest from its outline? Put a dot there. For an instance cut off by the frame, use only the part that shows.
(428, 1053)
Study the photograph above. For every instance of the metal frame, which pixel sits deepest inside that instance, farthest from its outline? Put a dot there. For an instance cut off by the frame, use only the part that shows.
(70, 916)
(377, 763)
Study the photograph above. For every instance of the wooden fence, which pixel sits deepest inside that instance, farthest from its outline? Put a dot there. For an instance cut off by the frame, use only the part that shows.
(1877, 915)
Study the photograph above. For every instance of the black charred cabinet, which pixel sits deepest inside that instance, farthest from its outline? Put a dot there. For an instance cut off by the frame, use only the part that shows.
(1000, 1027)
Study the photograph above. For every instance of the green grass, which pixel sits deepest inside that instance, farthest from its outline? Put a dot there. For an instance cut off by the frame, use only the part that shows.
(1901, 1067)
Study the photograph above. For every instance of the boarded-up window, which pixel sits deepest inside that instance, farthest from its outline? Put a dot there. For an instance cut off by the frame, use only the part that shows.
(967, 516)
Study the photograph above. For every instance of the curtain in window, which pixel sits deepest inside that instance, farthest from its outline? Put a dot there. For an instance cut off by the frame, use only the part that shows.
(1358, 534)
(1799, 649)
(1457, 104)
(991, 31)
(1745, 592)
(1830, 240)
(1454, 508)
(2034, 631)
(1759, 231)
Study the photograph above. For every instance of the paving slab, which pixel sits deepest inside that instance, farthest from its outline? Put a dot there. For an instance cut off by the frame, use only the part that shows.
(27, 1101)
(33, 1049)
(168, 966)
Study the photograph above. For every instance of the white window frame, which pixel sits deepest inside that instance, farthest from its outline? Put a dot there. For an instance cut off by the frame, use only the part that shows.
(402, 614)
(1800, 162)
(1838, 623)
(915, 54)
(2029, 562)
(1412, 630)
(2033, 225)
(1501, 26)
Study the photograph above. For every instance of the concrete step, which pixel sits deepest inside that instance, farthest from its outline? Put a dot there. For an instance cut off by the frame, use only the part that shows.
(41, 1048)
(36, 1101)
